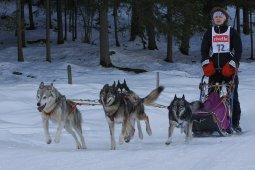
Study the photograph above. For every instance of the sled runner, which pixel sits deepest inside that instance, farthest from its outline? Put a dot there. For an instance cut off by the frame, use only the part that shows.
(215, 115)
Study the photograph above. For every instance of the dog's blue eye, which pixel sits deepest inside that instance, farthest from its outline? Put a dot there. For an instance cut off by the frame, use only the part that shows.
(44, 97)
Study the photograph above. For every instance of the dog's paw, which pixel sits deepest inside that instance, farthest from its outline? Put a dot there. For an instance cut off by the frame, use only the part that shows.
(141, 136)
(48, 141)
(121, 140)
(148, 130)
(113, 147)
(84, 147)
(127, 139)
(168, 142)
(187, 140)
(57, 140)
(78, 146)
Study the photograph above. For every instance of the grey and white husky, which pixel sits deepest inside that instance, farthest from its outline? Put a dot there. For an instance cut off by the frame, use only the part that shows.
(56, 107)
(180, 116)
(125, 108)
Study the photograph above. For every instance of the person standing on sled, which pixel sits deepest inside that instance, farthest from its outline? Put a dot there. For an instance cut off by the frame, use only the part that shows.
(221, 51)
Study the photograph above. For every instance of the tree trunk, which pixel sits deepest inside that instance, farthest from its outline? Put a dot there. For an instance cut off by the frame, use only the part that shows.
(19, 31)
(104, 42)
(73, 22)
(59, 22)
(31, 20)
(48, 57)
(150, 28)
(87, 16)
(134, 21)
(246, 28)
(23, 23)
(151, 37)
(185, 37)
(70, 20)
(169, 57)
(184, 48)
(65, 36)
(51, 26)
(251, 35)
(136, 24)
(115, 15)
(75, 18)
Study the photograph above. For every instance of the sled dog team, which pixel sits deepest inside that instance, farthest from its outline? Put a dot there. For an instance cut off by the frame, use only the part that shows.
(121, 106)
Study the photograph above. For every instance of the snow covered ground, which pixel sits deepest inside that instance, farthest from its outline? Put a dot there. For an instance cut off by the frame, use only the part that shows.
(22, 141)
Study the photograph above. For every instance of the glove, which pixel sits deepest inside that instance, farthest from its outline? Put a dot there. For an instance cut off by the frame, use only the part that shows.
(229, 69)
(209, 69)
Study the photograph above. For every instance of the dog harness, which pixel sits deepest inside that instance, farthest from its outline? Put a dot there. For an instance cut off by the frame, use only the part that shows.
(111, 116)
(74, 106)
(49, 113)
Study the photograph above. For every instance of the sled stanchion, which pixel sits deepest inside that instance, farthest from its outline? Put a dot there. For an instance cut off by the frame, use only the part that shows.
(157, 85)
(69, 74)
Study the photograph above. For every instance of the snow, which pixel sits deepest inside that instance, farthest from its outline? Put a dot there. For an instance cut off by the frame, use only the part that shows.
(22, 141)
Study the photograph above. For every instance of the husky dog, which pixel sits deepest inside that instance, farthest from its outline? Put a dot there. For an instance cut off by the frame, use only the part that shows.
(126, 108)
(133, 98)
(180, 115)
(64, 112)
(122, 87)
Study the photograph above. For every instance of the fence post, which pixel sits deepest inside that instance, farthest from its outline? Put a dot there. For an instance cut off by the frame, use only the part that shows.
(69, 74)
(157, 85)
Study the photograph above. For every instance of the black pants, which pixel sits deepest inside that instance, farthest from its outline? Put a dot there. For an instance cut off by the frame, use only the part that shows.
(218, 78)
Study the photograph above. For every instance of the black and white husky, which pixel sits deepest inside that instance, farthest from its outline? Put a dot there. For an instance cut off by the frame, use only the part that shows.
(180, 116)
(63, 112)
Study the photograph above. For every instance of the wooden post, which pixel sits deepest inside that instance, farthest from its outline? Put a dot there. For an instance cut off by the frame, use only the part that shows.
(157, 85)
(69, 74)
(19, 31)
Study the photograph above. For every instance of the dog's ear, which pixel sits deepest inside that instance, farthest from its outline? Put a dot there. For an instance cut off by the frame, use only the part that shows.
(50, 87)
(183, 97)
(41, 85)
(114, 84)
(125, 86)
(118, 85)
(175, 97)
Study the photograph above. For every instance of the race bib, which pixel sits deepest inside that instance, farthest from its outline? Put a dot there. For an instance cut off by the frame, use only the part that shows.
(221, 42)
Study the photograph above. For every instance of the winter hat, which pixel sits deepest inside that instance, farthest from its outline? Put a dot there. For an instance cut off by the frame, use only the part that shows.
(218, 11)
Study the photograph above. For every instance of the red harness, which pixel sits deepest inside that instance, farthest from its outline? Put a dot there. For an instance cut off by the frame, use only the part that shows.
(111, 116)
(49, 113)
(74, 107)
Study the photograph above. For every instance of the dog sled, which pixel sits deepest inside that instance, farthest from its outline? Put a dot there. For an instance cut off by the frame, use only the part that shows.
(216, 113)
